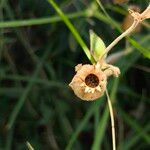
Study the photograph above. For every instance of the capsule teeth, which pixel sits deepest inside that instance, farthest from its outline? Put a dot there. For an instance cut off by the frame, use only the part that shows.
(92, 90)
(87, 89)
(99, 88)
(82, 84)
(87, 84)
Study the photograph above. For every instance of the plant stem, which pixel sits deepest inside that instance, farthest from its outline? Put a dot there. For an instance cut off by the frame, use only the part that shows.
(138, 18)
(73, 30)
(124, 34)
(39, 21)
(112, 120)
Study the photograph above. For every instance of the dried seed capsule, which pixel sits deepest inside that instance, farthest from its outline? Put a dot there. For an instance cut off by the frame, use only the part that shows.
(89, 83)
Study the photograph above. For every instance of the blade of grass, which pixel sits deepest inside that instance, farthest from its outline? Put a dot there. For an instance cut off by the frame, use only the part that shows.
(83, 123)
(144, 51)
(129, 143)
(65, 124)
(40, 21)
(117, 9)
(9, 139)
(22, 37)
(1, 31)
(100, 130)
(130, 92)
(23, 97)
(73, 30)
(134, 125)
(36, 80)
(115, 24)
(96, 118)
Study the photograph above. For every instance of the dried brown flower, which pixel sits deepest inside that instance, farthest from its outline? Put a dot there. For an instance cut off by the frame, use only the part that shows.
(140, 16)
(128, 20)
(120, 1)
(89, 83)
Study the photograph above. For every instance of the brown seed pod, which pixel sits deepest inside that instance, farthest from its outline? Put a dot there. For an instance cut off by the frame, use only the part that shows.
(89, 82)
(120, 1)
(128, 20)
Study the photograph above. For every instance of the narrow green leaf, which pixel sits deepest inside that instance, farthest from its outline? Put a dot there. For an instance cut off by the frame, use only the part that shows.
(135, 125)
(144, 51)
(82, 124)
(97, 45)
(72, 29)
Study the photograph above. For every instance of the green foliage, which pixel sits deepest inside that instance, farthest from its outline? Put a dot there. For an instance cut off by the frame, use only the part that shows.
(144, 51)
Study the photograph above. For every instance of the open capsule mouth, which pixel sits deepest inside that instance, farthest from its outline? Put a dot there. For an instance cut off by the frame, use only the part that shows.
(92, 80)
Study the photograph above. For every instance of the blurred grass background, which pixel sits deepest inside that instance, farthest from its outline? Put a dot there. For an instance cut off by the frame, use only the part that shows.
(37, 58)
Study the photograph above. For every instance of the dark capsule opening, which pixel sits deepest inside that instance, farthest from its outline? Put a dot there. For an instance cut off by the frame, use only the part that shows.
(92, 80)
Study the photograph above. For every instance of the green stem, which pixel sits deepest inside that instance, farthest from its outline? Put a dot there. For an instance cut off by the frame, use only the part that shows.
(39, 21)
(72, 29)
